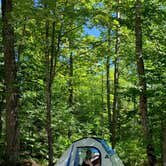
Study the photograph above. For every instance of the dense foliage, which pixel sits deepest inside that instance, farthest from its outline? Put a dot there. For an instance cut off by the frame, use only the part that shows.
(80, 47)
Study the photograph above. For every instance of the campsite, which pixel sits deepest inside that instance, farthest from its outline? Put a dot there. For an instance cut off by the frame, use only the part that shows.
(83, 83)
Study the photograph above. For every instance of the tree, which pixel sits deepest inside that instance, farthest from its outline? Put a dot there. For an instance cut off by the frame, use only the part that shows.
(71, 97)
(142, 85)
(12, 129)
(1, 83)
(164, 141)
(108, 59)
(51, 62)
(116, 79)
(49, 79)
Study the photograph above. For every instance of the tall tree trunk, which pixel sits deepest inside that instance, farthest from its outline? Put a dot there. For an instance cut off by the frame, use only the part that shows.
(48, 97)
(12, 129)
(108, 83)
(1, 119)
(70, 101)
(51, 61)
(164, 139)
(116, 81)
(102, 104)
(2, 98)
(2, 105)
(142, 85)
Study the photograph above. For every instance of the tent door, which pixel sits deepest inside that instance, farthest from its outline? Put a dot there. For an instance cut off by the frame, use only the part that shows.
(83, 154)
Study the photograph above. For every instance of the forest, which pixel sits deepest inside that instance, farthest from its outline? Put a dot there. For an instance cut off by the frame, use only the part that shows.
(71, 69)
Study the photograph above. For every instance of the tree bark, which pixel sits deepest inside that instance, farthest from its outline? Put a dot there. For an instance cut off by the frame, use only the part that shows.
(48, 97)
(164, 139)
(2, 98)
(70, 89)
(116, 81)
(1, 108)
(142, 86)
(70, 101)
(2, 105)
(108, 84)
(12, 129)
(1, 120)
(51, 61)
(102, 104)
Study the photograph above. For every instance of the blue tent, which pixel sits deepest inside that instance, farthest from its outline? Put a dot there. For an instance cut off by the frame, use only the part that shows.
(93, 150)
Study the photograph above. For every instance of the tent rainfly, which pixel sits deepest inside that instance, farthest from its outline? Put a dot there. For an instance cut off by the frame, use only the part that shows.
(89, 152)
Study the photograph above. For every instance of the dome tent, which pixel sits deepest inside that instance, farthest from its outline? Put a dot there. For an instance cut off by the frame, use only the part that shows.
(102, 154)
